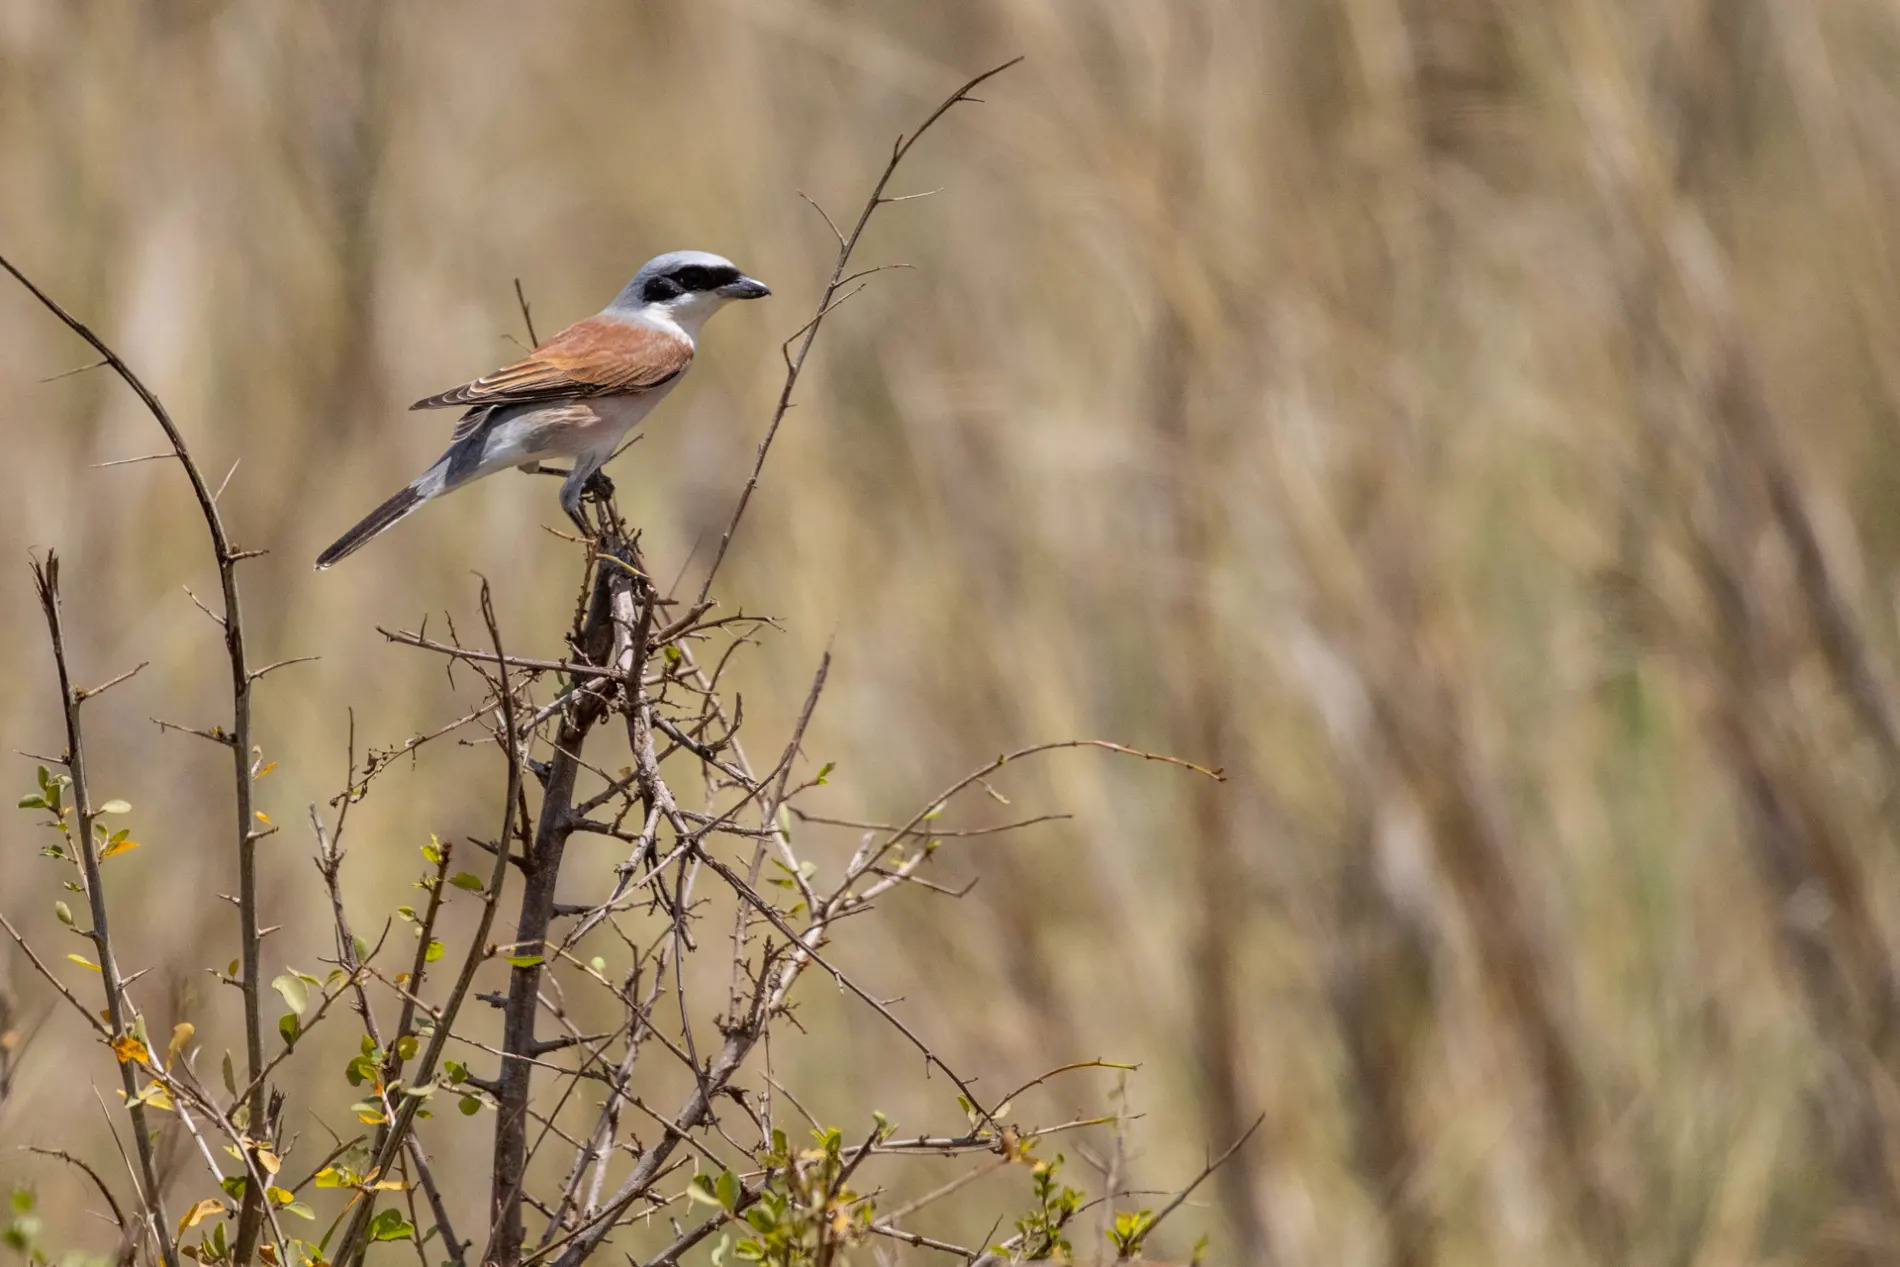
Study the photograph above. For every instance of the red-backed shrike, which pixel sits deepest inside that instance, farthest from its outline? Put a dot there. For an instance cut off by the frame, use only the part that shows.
(576, 395)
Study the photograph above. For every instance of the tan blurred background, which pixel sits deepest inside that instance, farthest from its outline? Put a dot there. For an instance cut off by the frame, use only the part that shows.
(1471, 423)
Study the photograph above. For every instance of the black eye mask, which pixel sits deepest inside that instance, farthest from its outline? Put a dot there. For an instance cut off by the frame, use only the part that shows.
(659, 290)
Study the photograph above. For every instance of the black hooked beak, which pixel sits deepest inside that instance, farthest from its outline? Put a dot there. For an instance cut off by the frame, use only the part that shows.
(745, 288)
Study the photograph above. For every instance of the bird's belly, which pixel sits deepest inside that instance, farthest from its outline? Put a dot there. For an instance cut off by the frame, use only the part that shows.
(565, 431)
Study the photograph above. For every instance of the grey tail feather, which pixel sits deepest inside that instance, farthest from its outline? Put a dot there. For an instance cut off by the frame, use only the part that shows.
(377, 521)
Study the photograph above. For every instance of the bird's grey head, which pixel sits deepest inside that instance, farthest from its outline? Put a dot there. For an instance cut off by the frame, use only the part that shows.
(686, 287)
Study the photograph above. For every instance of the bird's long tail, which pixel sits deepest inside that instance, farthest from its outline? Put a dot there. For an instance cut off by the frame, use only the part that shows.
(386, 516)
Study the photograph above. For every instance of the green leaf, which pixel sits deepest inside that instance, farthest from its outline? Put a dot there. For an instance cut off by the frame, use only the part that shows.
(470, 1106)
(457, 1071)
(434, 952)
(389, 1225)
(295, 991)
(701, 1189)
(230, 1076)
(467, 880)
(824, 771)
(34, 801)
(299, 1209)
(433, 851)
(727, 1189)
(116, 806)
(64, 913)
(406, 1046)
(23, 1198)
(290, 1027)
(523, 961)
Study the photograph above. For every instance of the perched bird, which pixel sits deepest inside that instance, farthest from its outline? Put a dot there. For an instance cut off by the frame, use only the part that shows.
(577, 394)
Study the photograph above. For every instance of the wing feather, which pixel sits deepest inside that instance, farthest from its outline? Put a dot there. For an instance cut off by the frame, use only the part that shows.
(601, 356)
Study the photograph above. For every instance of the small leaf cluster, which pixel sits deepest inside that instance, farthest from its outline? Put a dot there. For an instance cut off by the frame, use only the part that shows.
(372, 1065)
(1130, 1229)
(51, 796)
(803, 1207)
(1041, 1230)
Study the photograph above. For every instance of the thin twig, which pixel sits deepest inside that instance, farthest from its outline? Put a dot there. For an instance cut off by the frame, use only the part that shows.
(847, 243)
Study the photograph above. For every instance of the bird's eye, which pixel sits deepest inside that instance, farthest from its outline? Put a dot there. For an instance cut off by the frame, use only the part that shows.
(660, 289)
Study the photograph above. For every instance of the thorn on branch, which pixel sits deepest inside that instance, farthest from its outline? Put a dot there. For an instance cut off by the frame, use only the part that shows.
(196, 602)
(86, 693)
(148, 457)
(215, 734)
(283, 664)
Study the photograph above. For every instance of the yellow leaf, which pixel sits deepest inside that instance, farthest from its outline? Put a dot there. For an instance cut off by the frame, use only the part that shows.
(387, 1185)
(282, 1196)
(128, 1047)
(114, 850)
(159, 1098)
(266, 770)
(263, 818)
(181, 1034)
(199, 1213)
(83, 962)
(269, 1161)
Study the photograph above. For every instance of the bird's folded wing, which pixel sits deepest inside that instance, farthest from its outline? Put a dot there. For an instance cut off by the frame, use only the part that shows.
(601, 356)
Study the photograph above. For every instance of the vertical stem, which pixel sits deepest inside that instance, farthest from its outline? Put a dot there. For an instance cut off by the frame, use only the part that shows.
(600, 639)
(251, 1216)
(46, 580)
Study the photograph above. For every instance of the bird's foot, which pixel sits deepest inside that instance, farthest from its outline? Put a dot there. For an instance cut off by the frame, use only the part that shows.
(599, 486)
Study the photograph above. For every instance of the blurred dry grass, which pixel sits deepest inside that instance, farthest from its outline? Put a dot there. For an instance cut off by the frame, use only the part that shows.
(1473, 424)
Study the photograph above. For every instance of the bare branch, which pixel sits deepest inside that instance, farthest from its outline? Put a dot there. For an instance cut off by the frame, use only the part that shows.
(86, 693)
(99, 1027)
(283, 664)
(847, 243)
(527, 316)
(128, 1243)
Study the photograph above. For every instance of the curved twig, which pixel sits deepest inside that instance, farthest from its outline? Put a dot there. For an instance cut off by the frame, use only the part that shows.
(847, 243)
(232, 623)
